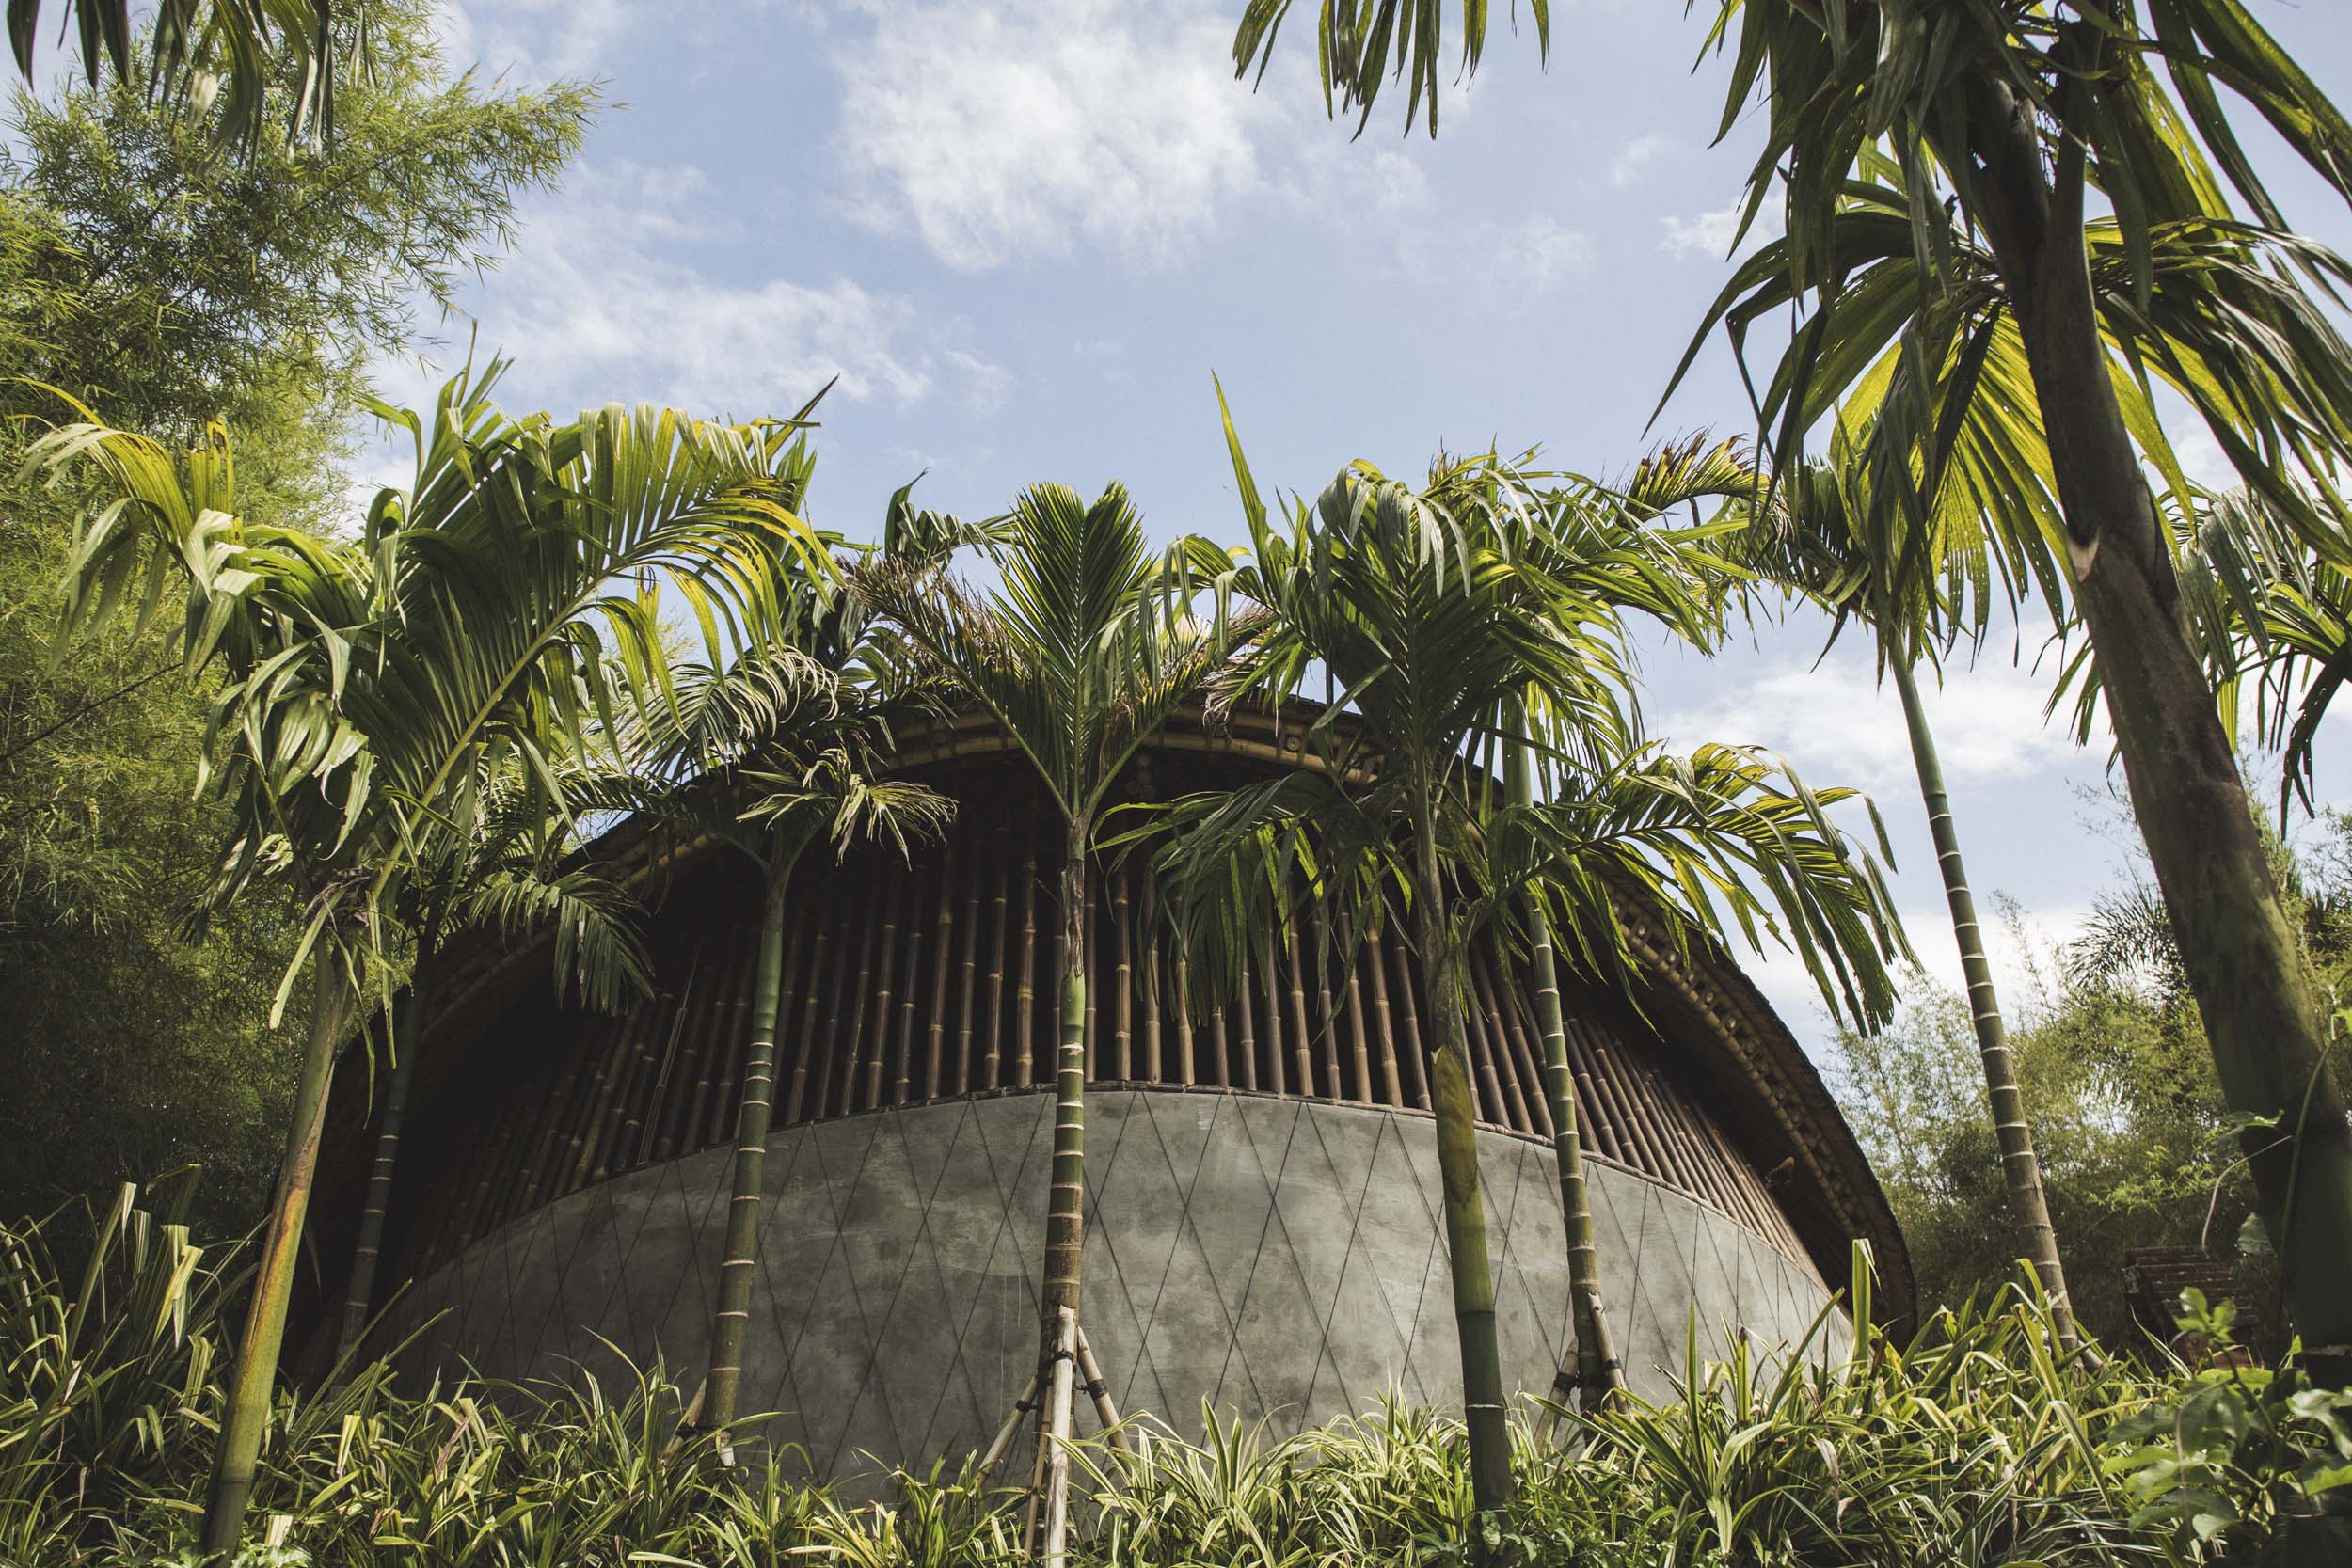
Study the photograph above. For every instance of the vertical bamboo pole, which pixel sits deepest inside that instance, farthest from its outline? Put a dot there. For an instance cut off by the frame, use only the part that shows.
(1520, 1085)
(1089, 950)
(1246, 1052)
(549, 1142)
(804, 1043)
(901, 1081)
(718, 1113)
(1591, 1112)
(1353, 1001)
(1122, 978)
(1493, 1107)
(834, 1051)
(1025, 1005)
(1384, 1024)
(1327, 1016)
(944, 930)
(1302, 1045)
(885, 900)
(1221, 1049)
(1409, 1015)
(1276, 1069)
(739, 1258)
(1149, 939)
(1058, 1457)
(967, 982)
(600, 1115)
(660, 1090)
(699, 1040)
(729, 1018)
(581, 1147)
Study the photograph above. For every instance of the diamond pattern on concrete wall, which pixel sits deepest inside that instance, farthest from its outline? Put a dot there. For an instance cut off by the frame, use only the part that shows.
(1279, 1260)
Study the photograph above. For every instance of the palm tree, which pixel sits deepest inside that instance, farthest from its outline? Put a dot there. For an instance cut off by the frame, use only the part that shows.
(1078, 655)
(369, 688)
(1485, 609)
(507, 878)
(1819, 532)
(1936, 166)
(785, 745)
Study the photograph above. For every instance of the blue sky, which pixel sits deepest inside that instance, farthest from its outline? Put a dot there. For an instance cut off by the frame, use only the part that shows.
(1024, 235)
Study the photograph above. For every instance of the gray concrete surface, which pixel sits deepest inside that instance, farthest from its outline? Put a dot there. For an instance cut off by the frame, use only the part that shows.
(1275, 1258)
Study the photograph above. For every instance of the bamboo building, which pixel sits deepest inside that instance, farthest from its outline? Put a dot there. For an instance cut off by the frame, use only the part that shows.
(1263, 1230)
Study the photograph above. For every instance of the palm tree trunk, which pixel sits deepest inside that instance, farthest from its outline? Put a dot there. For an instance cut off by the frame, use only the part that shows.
(2021, 1169)
(244, 1418)
(739, 1262)
(2239, 950)
(359, 1288)
(1484, 1412)
(1599, 1376)
(1065, 1213)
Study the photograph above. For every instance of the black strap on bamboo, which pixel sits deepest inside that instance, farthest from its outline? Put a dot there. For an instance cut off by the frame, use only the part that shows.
(1095, 1389)
(1562, 1383)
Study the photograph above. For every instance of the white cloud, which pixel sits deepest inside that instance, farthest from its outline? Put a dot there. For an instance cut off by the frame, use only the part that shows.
(534, 40)
(1712, 235)
(1637, 155)
(1012, 128)
(1838, 726)
(603, 299)
(1489, 258)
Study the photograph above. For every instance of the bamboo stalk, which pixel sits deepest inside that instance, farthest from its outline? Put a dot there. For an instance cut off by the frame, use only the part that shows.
(1271, 976)
(1246, 1046)
(1590, 1111)
(1353, 1002)
(591, 1131)
(901, 1081)
(1302, 1043)
(804, 1046)
(1493, 1107)
(1057, 1460)
(1327, 1016)
(1502, 1003)
(936, 1038)
(617, 1147)
(1106, 1411)
(1004, 1434)
(1024, 1006)
(1148, 918)
(1384, 1025)
(708, 1122)
(578, 1155)
(1124, 971)
(1650, 1157)
(832, 1050)
(1089, 949)
(550, 1144)
(694, 1066)
(885, 964)
(658, 1092)
(1409, 1015)
(966, 984)
(993, 1064)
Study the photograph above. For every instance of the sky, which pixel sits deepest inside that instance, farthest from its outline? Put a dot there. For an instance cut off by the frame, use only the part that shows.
(1020, 237)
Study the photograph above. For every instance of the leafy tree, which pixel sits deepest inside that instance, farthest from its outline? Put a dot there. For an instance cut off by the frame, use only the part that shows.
(168, 286)
(1937, 166)
(371, 688)
(1480, 611)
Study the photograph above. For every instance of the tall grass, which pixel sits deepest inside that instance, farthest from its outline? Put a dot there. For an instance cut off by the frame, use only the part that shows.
(1974, 1444)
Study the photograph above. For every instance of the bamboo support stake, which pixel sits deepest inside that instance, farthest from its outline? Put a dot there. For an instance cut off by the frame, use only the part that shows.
(936, 1038)
(1008, 1430)
(1025, 1004)
(1409, 1015)
(1057, 1460)
(1123, 970)
(1106, 1411)
(805, 1046)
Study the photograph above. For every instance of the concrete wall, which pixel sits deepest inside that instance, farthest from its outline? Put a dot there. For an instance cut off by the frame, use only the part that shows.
(1276, 1257)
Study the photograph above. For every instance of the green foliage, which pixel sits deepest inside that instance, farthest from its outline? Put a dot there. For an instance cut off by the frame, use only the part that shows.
(1973, 1443)
(170, 286)
(2240, 1455)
